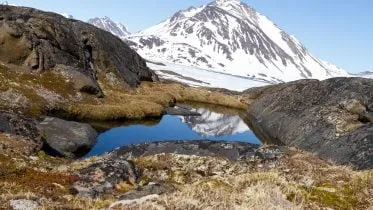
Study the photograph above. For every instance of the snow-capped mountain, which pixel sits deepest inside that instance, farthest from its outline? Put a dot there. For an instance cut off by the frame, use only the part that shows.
(230, 37)
(116, 28)
(215, 124)
(365, 74)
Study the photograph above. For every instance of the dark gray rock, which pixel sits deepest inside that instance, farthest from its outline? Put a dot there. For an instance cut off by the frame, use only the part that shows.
(104, 176)
(17, 125)
(231, 150)
(318, 116)
(370, 107)
(354, 149)
(66, 138)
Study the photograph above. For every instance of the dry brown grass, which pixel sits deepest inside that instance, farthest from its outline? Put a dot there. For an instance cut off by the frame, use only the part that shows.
(302, 181)
(149, 100)
(30, 86)
(120, 102)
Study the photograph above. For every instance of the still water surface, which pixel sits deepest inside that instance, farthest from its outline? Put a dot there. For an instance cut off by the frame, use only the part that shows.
(211, 125)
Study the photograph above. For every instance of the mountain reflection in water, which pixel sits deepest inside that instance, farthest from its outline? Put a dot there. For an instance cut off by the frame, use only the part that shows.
(210, 125)
(215, 124)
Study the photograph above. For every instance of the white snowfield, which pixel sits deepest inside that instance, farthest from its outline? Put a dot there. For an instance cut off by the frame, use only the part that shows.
(208, 78)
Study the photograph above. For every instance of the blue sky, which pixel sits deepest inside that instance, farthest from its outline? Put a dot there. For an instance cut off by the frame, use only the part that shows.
(337, 31)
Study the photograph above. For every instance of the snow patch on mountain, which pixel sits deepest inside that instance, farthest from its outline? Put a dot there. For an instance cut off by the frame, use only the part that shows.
(198, 77)
(116, 28)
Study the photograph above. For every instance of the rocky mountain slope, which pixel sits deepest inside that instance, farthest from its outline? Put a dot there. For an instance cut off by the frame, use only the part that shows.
(319, 116)
(365, 74)
(231, 37)
(116, 28)
(47, 59)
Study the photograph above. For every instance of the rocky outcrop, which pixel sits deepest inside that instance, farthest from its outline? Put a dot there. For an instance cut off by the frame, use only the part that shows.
(47, 41)
(66, 138)
(53, 135)
(230, 150)
(233, 151)
(116, 172)
(104, 176)
(332, 118)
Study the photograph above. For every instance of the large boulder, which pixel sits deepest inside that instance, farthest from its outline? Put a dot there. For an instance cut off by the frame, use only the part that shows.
(48, 41)
(66, 138)
(332, 118)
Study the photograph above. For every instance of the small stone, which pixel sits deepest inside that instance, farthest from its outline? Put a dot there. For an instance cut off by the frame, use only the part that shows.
(370, 107)
(34, 158)
(307, 181)
(123, 203)
(23, 204)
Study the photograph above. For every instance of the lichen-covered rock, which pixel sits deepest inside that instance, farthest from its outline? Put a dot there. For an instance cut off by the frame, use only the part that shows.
(104, 176)
(23, 204)
(66, 138)
(331, 118)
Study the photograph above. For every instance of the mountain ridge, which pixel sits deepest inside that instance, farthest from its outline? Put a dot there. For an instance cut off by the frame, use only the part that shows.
(229, 36)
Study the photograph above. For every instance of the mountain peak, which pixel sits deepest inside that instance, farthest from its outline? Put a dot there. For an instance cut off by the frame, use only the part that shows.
(226, 2)
(230, 36)
(107, 24)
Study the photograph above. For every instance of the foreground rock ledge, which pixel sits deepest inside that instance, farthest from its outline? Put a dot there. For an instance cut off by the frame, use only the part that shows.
(332, 118)
(116, 168)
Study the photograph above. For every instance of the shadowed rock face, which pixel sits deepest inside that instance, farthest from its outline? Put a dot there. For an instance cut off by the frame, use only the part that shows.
(66, 138)
(47, 41)
(332, 118)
